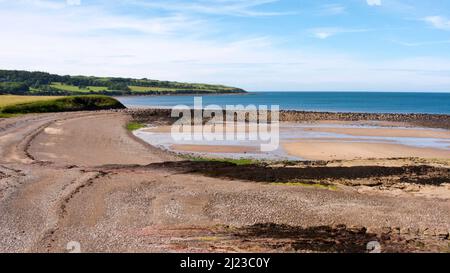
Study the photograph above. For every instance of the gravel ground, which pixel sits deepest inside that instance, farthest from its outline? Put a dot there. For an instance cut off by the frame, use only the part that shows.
(82, 177)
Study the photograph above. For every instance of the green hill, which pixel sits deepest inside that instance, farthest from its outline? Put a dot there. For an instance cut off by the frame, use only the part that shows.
(44, 84)
(61, 104)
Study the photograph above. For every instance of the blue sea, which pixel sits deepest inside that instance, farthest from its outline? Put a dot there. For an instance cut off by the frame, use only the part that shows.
(366, 102)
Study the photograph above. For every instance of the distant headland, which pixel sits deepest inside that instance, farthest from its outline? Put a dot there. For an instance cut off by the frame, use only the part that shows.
(18, 82)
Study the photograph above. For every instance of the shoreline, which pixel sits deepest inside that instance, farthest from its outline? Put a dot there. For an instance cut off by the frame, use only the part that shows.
(406, 103)
(306, 141)
(441, 121)
(284, 110)
(185, 94)
(318, 136)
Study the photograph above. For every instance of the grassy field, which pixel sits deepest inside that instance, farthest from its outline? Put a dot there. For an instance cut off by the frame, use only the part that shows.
(133, 126)
(144, 89)
(6, 100)
(16, 82)
(152, 89)
(133, 88)
(97, 88)
(13, 105)
(72, 88)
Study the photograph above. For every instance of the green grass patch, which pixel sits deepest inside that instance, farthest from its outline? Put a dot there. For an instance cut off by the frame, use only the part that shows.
(146, 88)
(3, 115)
(305, 184)
(10, 100)
(97, 88)
(7, 100)
(133, 126)
(154, 89)
(143, 89)
(65, 104)
(66, 87)
(136, 89)
(238, 162)
(72, 88)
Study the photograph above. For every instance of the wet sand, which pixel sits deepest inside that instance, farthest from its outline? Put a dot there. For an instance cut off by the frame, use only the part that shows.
(240, 128)
(379, 143)
(319, 150)
(328, 140)
(384, 132)
(215, 149)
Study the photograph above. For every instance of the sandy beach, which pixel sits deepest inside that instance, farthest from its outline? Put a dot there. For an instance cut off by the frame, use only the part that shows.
(384, 132)
(323, 140)
(215, 149)
(83, 177)
(319, 150)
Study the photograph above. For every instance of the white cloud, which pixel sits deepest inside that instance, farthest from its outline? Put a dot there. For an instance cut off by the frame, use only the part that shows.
(438, 22)
(73, 2)
(90, 40)
(43, 4)
(324, 33)
(421, 43)
(215, 7)
(333, 9)
(374, 2)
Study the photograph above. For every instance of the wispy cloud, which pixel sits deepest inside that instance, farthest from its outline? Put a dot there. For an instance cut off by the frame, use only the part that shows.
(421, 43)
(327, 32)
(45, 4)
(333, 9)
(73, 2)
(69, 19)
(438, 22)
(215, 7)
(186, 41)
(374, 2)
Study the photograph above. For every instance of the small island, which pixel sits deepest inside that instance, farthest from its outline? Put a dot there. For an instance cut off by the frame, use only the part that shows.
(16, 82)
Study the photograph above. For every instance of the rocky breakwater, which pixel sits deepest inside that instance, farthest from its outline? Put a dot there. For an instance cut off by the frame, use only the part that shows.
(426, 120)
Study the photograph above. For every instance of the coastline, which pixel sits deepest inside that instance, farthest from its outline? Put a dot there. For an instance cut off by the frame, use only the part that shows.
(316, 136)
(426, 120)
(332, 102)
(185, 94)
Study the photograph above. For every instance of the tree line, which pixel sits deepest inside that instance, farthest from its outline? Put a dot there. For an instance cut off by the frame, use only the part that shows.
(21, 82)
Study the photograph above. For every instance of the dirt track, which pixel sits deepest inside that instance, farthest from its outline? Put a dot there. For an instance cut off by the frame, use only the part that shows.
(82, 177)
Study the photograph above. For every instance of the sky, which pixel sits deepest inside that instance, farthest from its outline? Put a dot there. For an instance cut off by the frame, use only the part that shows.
(258, 45)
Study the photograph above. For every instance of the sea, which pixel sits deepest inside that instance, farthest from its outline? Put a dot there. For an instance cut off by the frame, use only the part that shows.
(355, 102)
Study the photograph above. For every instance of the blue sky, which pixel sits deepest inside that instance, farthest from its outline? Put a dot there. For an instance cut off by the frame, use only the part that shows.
(304, 45)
